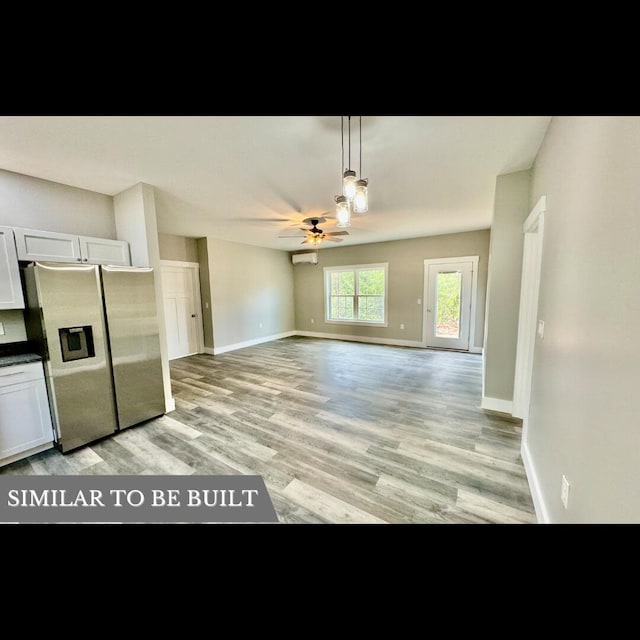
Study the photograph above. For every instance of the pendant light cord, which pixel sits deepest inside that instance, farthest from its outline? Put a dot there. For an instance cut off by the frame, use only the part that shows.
(342, 141)
(360, 147)
(349, 167)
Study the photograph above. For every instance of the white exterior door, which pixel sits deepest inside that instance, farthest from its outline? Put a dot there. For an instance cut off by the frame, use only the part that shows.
(180, 289)
(448, 304)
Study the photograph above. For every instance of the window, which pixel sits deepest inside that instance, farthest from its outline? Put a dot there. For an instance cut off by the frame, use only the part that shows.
(356, 294)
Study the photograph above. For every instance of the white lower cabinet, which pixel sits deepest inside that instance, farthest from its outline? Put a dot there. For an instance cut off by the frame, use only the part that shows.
(25, 421)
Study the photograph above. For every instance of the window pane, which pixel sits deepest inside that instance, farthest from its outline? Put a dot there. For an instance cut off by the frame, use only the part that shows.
(371, 308)
(448, 305)
(341, 308)
(342, 283)
(342, 287)
(335, 283)
(371, 282)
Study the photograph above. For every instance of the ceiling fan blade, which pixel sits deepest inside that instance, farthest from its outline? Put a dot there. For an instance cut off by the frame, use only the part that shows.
(334, 239)
(298, 236)
(306, 241)
(337, 233)
(303, 229)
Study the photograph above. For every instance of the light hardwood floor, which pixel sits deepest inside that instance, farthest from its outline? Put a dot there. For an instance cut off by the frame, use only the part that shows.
(341, 432)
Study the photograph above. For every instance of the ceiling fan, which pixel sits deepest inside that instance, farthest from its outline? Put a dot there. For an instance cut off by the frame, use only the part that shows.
(315, 235)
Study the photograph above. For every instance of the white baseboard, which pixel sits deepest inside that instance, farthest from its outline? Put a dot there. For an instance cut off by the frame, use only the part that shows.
(542, 515)
(496, 404)
(251, 343)
(340, 336)
(319, 334)
(25, 454)
(169, 404)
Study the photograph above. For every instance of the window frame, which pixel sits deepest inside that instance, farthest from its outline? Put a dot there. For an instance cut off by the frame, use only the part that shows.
(356, 268)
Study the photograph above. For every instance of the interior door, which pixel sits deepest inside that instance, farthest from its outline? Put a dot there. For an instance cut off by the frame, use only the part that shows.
(448, 308)
(180, 310)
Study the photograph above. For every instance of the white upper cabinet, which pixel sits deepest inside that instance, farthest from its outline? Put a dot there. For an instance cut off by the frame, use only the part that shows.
(48, 246)
(101, 251)
(10, 289)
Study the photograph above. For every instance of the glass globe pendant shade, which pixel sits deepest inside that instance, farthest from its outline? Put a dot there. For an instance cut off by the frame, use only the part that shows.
(349, 184)
(361, 199)
(343, 212)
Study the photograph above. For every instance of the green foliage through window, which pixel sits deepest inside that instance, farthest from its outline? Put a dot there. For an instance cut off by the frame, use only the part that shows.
(448, 305)
(357, 294)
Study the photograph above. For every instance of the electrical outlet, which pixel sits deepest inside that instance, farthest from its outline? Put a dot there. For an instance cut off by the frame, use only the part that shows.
(261, 325)
(402, 327)
(564, 492)
(312, 320)
(419, 300)
(541, 329)
(1, 329)
(206, 305)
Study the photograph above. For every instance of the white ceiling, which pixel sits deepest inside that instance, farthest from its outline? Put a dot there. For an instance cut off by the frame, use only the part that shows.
(249, 178)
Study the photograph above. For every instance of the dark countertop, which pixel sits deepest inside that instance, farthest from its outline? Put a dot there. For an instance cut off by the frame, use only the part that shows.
(24, 358)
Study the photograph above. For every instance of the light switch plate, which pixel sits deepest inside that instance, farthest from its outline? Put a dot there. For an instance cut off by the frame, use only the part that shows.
(1, 329)
(541, 329)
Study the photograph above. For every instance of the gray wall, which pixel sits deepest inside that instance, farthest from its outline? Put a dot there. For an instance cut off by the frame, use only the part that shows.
(205, 292)
(585, 403)
(177, 248)
(249, 285)
(40, 204)
(406, 282)
(511, 208)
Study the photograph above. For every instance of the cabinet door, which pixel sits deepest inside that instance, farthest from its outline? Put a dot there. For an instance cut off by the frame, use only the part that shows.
(102, 251)
(10, 289)
(47, 246)
(25, 421)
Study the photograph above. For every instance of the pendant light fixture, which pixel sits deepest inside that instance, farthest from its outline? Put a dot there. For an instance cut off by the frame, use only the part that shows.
(361, 198)
(343, 206)
(349, 176)
(343, 212)
(355, 194)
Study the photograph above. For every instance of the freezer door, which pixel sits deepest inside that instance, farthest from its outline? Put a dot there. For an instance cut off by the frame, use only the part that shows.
(69, 301)
(130, 304)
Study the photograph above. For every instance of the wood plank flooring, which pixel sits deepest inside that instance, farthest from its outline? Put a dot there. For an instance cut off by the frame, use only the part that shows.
(341, 433)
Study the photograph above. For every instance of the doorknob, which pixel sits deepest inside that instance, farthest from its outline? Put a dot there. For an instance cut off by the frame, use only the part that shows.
(193, 315)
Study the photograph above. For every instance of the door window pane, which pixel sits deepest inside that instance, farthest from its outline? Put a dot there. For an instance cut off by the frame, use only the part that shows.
(448, 290)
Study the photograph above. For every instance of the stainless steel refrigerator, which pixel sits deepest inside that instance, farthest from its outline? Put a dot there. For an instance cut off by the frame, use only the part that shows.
(97, 330)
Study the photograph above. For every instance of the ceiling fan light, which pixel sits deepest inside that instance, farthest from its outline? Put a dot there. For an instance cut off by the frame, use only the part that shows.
(349, 184)
(361, 199)
(343, 212)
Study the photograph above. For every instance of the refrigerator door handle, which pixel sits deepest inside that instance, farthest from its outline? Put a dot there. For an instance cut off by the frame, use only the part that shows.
(63, 266)
(113, 267)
